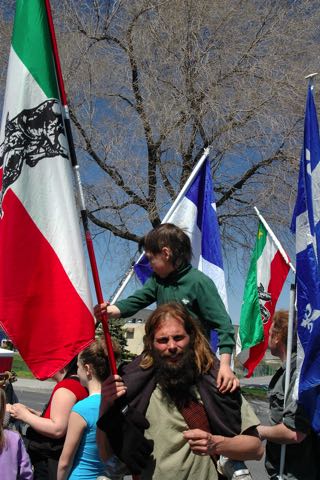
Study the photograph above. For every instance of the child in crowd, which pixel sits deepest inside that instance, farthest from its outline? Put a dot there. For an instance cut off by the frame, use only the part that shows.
(46, 432)
(14, 461)
(169, 252)
(80, 457)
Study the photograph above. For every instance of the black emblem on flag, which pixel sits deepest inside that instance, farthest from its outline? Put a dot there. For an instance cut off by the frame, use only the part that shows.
(32, 135)
(263, 297)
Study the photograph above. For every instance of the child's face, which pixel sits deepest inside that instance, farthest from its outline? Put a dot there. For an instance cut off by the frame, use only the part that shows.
(161, 262)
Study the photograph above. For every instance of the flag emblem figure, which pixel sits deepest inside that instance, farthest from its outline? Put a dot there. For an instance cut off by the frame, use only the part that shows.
(45, 302)
(31, 136)
(306, 226)
(268, 271)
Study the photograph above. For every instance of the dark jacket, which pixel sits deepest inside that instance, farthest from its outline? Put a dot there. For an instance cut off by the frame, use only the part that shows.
(223, 410)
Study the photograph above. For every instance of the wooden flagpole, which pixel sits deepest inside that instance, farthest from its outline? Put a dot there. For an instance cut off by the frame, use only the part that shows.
(75, 165)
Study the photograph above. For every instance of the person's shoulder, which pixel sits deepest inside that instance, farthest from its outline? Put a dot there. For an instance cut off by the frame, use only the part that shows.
(88, 408)
(199, 276)
(81, 404)
(131, 366)
(12, 436)
(74, 386)
(152, 280)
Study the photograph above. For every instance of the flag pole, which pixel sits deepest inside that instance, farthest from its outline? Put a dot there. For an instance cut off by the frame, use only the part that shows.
(75, 165)
(168, 214)
(288, 367)
(311, 76)
(187, 184)
(276, 241)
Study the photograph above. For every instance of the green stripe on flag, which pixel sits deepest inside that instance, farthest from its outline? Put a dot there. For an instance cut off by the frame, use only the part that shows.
(31, 42)
(251, 328)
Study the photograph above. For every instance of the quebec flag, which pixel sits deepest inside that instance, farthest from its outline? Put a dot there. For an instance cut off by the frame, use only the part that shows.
(306, 226)
(196, 214)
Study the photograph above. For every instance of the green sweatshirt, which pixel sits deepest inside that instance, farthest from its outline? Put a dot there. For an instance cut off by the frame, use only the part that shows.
(195, 291)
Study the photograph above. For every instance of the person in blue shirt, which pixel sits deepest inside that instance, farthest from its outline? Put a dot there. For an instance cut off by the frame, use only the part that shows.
(80, 457)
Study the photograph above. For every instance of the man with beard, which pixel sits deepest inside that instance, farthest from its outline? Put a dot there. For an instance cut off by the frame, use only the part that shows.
(189, 422)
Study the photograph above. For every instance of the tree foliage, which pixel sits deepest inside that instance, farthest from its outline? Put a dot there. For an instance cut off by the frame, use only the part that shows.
(118, 333)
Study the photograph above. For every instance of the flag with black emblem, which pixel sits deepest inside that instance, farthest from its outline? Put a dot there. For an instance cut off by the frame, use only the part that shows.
(45, 303)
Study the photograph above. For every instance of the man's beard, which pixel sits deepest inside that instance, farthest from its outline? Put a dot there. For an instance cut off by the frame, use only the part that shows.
(177, 380)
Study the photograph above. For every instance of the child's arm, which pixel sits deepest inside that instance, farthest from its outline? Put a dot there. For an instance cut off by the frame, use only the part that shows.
(141, 298)
(111, 310)
(76, 427)
(215, 316)
(226, 380)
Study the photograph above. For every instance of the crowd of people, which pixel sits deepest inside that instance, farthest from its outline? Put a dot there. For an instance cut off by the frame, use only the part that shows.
(175, 412)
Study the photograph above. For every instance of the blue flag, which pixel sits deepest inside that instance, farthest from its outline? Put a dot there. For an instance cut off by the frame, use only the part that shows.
(196, 215)
(306, 226)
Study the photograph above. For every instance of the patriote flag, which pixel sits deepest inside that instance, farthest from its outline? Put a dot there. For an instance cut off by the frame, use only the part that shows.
(306, 226)
(195, 212)
(45, 304)
(268, 271)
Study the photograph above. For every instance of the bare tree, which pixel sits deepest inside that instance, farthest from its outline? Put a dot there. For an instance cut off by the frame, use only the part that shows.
(153, 82)
(6, 16)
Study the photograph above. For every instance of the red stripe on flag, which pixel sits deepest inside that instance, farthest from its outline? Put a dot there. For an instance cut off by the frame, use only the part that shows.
(278, 274)
(40, 309)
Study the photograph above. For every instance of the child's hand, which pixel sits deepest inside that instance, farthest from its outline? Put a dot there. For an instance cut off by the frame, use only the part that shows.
(100, 309)
(111, 310)
(227, 381)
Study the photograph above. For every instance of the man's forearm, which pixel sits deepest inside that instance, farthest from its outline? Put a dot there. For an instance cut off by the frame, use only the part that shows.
(241, 447)
(280, 434)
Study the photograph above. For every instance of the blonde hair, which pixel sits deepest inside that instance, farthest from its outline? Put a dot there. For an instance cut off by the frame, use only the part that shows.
(280, 325)
(204, 357)
(3, 402)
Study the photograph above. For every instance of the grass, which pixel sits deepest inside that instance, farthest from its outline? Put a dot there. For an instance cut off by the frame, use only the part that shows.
(255, 392)
(20, 367)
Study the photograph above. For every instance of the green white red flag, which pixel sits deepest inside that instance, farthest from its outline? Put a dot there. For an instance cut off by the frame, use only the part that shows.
(45, 302)
(268, 271)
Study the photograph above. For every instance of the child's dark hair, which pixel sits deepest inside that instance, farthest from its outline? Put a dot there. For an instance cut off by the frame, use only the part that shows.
(96, 355)
(168, 235)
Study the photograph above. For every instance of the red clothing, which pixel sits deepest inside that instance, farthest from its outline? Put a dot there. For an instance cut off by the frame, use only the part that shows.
(73, 386)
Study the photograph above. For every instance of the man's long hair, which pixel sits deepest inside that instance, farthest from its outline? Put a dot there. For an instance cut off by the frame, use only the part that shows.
(203, 355)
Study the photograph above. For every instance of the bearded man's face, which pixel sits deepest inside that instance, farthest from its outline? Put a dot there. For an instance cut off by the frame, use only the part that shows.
(174, 363)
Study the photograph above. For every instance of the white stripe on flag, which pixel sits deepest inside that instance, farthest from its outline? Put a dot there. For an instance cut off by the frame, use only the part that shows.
(38, 179)
(16, 97)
